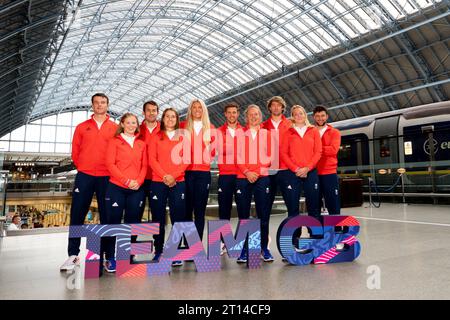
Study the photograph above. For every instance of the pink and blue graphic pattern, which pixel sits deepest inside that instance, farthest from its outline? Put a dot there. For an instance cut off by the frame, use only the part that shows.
(320, 247)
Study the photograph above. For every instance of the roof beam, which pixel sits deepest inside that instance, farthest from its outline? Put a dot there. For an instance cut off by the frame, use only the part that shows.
(382, 96)
(340, 55)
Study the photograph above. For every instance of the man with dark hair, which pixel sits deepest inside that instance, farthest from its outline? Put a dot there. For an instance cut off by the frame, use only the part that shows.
(101, 95)
(232, 105)
(15, 223)
(278, 124)
(149, 129)
(227, 161)
(327, 166)
(89, 144)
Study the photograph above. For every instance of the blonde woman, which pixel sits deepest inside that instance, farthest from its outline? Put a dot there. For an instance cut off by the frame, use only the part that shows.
(198, 174)
(253, 162)
(301, 150)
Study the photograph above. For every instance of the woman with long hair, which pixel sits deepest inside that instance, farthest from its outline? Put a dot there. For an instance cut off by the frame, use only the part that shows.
(168, 165)
(126, 160)
(198, 175)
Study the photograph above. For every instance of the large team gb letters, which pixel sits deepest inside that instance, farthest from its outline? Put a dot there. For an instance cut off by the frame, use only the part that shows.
(319, 248)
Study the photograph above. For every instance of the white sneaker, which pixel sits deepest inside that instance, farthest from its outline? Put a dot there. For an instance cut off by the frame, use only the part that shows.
(70, 263)
(223, 250)
(340, 246)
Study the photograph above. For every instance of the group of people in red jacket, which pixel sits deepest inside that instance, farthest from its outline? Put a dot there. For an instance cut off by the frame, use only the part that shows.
(169, 162)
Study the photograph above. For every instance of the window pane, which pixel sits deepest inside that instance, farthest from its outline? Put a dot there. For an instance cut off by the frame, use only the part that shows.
(63, 134)
(47, 147)
(48, 133)
(6, 137)
(4, 145)
(345, 152)
(385, 150)
(65, 119)
(33, 132)
(16, 146)
(79, 117)
(36, 122)
(31, 146)
(49, 120)
(18, 134)
(62, 148)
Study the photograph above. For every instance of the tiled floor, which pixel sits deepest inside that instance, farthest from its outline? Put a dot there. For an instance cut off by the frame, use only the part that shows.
(409, 245)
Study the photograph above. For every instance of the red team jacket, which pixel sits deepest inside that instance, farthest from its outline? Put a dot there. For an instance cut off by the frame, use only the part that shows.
(227, 151)
(298, 152)
(162, 159)
(283, 127)
(331, 141)
(126, 163)
(254, 154)
(200, 162)
(146, 136)
(89, 146)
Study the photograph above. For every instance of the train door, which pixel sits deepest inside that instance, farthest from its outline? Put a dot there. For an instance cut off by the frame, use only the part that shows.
(353, 155)
(385, 148)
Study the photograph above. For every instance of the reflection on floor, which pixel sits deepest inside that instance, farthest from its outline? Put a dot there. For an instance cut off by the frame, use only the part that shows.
(409, 244)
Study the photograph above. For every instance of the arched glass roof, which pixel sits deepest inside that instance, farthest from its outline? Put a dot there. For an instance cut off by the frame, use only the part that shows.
(172, 51)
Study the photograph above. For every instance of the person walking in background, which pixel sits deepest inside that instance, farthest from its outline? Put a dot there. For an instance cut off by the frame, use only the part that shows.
(15, 223)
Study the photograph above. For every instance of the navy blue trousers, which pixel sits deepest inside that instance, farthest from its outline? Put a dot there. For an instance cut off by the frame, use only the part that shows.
(278, 182)
(122, 203)
(160, 193)
(329, 190)
(146, 187)
(83, 191)
(225, 190)
(261, 191)
(197, 192)
(294, 188)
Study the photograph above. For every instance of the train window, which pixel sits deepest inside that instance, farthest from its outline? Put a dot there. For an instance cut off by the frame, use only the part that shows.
(345, 152)
(385, 150)
(408, 148)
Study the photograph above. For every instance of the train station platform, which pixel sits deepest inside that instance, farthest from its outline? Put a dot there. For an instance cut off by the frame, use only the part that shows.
(407, 245)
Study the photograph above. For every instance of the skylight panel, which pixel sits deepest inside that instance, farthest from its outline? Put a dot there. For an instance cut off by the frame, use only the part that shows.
(387, 5)
(355, 22)
(367, 19)
(327, 11)
(348, 32)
